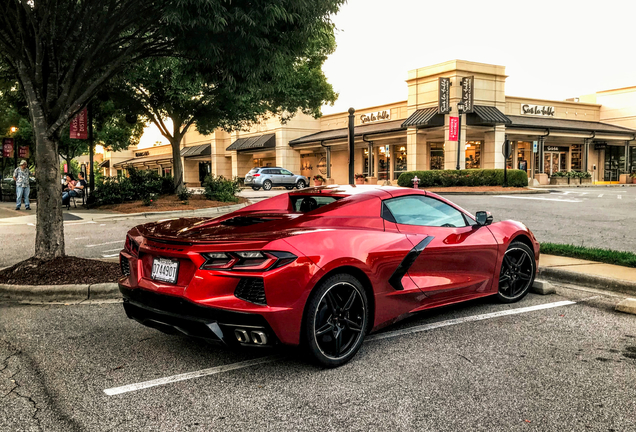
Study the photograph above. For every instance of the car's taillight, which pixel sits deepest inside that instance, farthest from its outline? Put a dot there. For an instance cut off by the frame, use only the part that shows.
(246, 260)
(256, 175)
(131, 245)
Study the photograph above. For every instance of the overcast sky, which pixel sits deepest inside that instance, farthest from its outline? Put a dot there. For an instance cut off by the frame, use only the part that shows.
(551, 49)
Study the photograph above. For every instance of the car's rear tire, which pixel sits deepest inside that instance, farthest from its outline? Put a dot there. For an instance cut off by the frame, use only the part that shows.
(267, 185)
(300, 184)
(336, 320)
(289, 187)
(255, 188)
(518, 269)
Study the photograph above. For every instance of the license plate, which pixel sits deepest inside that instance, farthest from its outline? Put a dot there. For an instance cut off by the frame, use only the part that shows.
(165, 270)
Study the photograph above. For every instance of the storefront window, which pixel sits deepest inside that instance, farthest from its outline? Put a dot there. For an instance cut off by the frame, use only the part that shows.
(614, 162)
(400, 161)
(524, 152)
(437, 156)
(632, 159)
(166, 171)
(473, 154)
(384, 162)
(576, 153)
(366, 162)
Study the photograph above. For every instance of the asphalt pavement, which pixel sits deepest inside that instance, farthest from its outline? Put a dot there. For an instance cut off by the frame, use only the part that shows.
(547, 363)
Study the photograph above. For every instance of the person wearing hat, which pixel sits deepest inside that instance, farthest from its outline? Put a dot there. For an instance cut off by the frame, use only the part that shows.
(22, 189)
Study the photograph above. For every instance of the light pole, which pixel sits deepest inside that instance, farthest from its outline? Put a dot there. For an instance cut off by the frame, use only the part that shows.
(460, 111)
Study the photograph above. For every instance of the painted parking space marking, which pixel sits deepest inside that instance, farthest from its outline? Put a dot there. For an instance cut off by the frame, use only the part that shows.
(601, 195)
(391, 334)
(103, 244)
(619, 196)
(540, 199)
(110, 256)
(111, 250)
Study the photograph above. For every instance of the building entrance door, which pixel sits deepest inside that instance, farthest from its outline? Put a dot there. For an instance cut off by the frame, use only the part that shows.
(614, 162)
(554, 162)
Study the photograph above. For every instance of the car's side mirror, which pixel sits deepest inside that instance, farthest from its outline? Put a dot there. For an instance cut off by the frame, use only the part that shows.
(483, 218)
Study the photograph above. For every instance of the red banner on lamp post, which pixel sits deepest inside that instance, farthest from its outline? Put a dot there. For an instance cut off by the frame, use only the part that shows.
(453, 128)
(7, 147)
(79, 125)
(23, 152)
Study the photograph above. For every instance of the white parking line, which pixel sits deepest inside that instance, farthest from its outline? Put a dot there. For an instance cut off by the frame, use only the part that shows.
(80, 238)
(619, 196)
(107, 243)
(386, 335)
(112, 250)
(79, 223)
(537, 198)
(601, 195)
(110, 256)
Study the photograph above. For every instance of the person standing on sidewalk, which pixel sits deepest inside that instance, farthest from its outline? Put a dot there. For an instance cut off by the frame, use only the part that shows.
(22, 188)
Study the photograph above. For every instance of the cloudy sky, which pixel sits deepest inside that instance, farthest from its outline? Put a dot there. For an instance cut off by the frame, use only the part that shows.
(551, 49)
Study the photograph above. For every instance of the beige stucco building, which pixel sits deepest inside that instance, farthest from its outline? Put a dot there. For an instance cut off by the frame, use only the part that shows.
(593, 133)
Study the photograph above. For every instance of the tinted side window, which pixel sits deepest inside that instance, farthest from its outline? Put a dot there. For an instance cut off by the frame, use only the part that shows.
(424, 211)
(285, 172)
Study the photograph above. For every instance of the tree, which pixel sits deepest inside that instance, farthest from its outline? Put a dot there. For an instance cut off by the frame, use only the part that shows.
(63, 51)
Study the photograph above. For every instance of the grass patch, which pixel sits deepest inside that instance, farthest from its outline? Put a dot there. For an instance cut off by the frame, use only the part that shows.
(607, 256)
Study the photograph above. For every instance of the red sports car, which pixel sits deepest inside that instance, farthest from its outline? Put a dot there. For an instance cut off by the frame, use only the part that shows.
(320, 267)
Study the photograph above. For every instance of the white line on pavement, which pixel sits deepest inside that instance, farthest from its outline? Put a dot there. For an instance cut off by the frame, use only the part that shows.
(386, 335)
(80, 238)
(601, 195)
(79, 223)
(31, 224)
(107, 243)
(537, 198)
(110, 256)
(190, 375)
(619, 196)
(111, 250)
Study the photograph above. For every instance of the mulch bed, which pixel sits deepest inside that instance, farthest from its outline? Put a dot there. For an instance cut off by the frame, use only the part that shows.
(167, 203)
(60, 271)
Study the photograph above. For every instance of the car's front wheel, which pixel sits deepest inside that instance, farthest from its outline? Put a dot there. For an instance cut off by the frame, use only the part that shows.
(300, 184)
(336, 320)
(267, 185)
(517, 273)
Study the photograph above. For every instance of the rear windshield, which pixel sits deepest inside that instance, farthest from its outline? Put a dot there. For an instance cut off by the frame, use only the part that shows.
(304, 204)
(253, 170)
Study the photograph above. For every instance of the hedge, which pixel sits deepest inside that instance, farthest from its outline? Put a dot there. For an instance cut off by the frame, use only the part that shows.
(468, 177)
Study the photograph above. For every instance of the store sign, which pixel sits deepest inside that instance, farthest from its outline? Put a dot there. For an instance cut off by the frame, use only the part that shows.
(322, 166)
(79, 125)
(143, 153)
(23, 152)
(443, 104)
(538, 110)
(600, 145)
(468, 93)
(453, 128)
(7, 147)
(375, 116)
(556, 149)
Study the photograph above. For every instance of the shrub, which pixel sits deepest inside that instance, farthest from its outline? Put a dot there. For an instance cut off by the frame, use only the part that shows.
(468, 177)
(221, 189)
(139, 184)
(148, 200)
(184, 195)
(319, 178)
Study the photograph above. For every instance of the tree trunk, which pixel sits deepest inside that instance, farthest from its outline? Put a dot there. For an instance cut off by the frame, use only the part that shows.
(49, 237)
(177, 167)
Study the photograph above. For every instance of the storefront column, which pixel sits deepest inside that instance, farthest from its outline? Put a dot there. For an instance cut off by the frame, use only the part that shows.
(328, 160)
(391, 162)
(286, 156)
(586, 155)
(626, 157)
(376, 154)
(371, 159)
(492, 156)
(416, 151)
(450, 147)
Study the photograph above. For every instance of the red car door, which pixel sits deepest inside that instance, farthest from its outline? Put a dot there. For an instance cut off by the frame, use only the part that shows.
(454, 258)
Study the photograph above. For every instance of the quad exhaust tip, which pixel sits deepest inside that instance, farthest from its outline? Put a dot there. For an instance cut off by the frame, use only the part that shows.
(256, 337)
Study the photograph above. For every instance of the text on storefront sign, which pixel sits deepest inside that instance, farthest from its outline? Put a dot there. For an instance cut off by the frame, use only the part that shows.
(539, 110)
(375, 116)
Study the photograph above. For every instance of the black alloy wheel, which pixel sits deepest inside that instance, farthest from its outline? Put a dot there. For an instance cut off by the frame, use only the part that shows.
(267, 185)
(517, 273)
(300, 184)
(255, 188)
(336, 320)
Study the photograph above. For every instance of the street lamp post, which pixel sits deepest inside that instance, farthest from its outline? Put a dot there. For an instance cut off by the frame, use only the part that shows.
(460, 111)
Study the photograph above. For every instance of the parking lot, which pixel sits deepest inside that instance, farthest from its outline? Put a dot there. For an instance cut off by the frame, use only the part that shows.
(559, 362)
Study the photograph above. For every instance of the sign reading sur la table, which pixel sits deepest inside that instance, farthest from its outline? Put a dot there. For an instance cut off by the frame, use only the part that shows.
(468, 93)
(453, 128)
(375, 116)
(443, 104)
(537, 110)
(79, 125)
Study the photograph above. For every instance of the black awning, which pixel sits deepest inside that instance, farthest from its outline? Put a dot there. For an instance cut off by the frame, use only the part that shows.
(104, 164)
(424, 117)
(532, 122)
(343, 133)
(257, 142)
(199, 150)
(486, 116)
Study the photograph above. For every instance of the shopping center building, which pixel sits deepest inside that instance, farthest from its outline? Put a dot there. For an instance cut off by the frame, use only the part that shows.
(594, 133)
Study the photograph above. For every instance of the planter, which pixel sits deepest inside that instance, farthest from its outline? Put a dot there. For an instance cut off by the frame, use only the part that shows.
(586, 180)
(317, 182)
(360, 181)
(559, 181)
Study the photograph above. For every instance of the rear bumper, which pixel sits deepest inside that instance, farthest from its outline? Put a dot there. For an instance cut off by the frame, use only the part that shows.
(175, 315)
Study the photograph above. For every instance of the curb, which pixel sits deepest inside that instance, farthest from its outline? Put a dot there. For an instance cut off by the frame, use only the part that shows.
(591, 281)
(52, 293)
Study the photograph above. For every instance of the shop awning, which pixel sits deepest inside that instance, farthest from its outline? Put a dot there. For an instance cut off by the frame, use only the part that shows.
(257, 142)
(156, 159)
(532, 122)
(424, 117)
(367, 129)
(486, 116)
(194, 151)
(104, 164)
